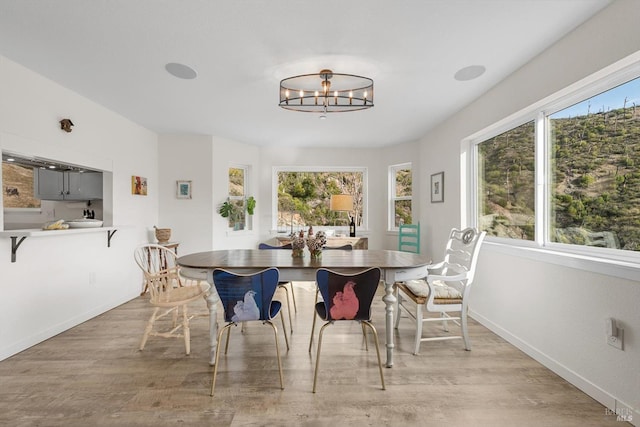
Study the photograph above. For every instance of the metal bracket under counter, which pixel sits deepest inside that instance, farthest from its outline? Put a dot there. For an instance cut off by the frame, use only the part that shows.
(18, 236)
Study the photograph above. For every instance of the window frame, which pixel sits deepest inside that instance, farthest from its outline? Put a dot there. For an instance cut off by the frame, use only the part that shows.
(275, 170)
(539, 112)
(393, 198)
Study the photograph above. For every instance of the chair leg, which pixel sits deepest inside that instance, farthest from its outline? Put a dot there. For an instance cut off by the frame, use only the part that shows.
(187, 332)
(286, 291)
(364, 335)
(375, 338)
(284, 330)
(464, 326)
(315, 372)
(149, 328)
(175, 316)
(293, 297)
(275, 333)
(226, 345)
(215, 367)
(418, 328)
(313, 325)
(445, 325)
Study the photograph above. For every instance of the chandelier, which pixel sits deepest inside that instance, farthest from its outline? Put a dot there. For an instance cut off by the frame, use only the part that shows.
(326, 92)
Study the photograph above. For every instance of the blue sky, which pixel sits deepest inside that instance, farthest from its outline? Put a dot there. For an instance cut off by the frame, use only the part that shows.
(609, 100)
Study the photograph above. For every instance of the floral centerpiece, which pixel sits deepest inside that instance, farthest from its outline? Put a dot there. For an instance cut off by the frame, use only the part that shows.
(316, 243)
(297, 244)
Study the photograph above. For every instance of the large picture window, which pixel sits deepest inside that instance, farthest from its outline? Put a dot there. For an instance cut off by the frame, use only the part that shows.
(570, 177)
(595, 175)
(303, 195)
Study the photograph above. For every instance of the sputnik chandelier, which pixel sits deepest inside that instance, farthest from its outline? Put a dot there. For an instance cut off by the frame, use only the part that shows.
(326, 92)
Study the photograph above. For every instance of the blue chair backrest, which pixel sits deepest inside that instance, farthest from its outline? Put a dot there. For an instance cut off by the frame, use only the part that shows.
(348, 296)
(347, 247)
(266, 246)
(246, 296)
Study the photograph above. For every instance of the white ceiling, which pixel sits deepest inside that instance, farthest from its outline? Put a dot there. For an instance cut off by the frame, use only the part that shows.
(114, 53)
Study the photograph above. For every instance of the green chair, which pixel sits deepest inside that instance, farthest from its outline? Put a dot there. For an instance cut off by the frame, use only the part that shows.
(409, 238)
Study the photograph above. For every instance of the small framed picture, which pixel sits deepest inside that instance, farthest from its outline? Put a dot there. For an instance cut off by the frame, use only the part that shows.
(183, 189)
(138, 185)
(437, 187)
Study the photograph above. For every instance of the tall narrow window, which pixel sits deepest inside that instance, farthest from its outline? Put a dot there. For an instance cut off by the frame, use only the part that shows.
(506, 183)
(237, 197)
(401, 194)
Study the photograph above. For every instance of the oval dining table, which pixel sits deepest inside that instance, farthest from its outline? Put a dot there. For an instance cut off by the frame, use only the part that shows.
(395, 266)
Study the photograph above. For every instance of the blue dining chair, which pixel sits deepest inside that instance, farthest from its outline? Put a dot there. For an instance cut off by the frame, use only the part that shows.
(283, 284)
(247, 298)
(347, 297)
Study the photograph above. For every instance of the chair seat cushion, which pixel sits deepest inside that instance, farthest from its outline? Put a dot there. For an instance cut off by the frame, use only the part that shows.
(441, 289)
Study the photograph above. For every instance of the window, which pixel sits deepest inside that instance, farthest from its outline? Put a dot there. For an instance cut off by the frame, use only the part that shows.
(238, 198)
(506, 183)
(571, 176)
(303, 195)
(400, 191)
(595, 179)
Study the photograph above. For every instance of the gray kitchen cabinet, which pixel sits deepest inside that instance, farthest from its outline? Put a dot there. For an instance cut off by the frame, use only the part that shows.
(66, 185)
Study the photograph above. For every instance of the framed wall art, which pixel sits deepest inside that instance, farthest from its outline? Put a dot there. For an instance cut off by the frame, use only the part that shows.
(183, 189)
(139, 185)
(437, 187)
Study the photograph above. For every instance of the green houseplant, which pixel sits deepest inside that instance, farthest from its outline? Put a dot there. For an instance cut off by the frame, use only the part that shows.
(251, 205)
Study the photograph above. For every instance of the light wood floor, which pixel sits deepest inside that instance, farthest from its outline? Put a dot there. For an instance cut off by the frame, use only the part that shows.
(94, 375)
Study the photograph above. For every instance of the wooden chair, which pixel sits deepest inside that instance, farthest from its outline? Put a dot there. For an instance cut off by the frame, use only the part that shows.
(168, 292)
(247, 298)
(445, 289)
(409, 238)
(347, 297)
(283, 284)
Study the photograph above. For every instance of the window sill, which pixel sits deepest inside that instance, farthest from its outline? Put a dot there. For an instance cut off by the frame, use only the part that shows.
(606, 266)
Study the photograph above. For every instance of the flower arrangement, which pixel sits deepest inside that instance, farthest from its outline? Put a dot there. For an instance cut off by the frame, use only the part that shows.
(316, 243)
(297, 244)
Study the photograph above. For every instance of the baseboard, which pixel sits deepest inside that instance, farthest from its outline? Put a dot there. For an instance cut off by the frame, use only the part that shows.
(622, 410)
(30, 341)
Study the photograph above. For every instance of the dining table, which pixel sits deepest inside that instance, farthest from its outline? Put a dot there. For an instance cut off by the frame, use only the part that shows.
(395, 266)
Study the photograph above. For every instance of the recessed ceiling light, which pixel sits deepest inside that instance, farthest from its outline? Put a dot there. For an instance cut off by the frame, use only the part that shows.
(469, 73)
(181, 71)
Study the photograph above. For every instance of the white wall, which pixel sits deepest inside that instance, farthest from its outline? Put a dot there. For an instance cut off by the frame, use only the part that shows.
(189, 158)
(62, 280)
(205, 161)
(546, 306)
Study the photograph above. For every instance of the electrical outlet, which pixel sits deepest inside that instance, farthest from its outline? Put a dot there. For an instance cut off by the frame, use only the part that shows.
(617, 342)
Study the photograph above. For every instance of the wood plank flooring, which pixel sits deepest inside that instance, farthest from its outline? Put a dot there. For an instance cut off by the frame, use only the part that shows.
(94, 375)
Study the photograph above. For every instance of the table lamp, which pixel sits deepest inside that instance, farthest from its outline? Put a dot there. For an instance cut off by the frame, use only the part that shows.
(341, 203)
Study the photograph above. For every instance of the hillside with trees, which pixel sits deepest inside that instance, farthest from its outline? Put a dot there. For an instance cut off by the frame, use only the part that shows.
(595, 184)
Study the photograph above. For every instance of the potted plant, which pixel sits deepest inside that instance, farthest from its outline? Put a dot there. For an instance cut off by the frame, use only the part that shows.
(251, 205)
